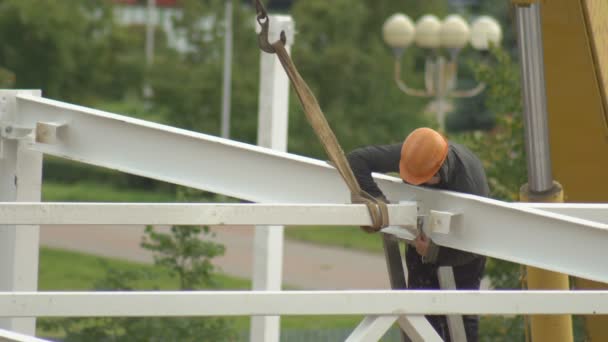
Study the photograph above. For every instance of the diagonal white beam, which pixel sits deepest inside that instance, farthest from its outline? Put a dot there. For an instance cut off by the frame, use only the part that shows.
(182, 157)
(520, 234)
(597, 212)
(250, 303)
(488, 227)
(11, 336)
(418, 328)
(371, 328)
(192, 214)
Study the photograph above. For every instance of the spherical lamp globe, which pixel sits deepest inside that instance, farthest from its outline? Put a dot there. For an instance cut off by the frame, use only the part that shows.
(428, 28)
(398, 31)
(455, 32)
(485, 31)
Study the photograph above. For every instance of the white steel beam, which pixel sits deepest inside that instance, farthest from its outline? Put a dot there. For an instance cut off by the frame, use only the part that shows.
(182, 157)
(371, 328)
(11, 336)
(273, 115)
(486, 226)
(518, 234)
(247, 303)
(191, 214)
(445, 275)
(597, 212)
(20, 180)
(418, 328)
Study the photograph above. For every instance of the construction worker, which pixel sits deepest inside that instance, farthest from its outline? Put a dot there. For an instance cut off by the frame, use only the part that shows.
(427, 159)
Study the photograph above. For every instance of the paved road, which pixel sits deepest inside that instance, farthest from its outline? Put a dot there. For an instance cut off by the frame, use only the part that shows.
(305, 266)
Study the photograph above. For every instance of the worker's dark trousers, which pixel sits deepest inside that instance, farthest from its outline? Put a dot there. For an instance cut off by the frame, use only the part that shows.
(440, 323)
(424, 276)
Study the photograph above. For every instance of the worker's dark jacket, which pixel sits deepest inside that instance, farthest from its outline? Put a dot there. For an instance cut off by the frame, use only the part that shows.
(462, 172)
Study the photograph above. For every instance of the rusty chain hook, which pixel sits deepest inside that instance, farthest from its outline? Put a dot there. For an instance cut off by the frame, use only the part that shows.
(264, 21)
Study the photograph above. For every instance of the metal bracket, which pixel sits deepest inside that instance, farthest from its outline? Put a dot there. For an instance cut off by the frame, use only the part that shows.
(49, 132)
(44, 133)
(441, 221)
(13, 132)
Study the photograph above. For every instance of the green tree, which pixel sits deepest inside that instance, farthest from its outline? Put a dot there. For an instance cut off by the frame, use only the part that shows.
(72, 50)
(502, 153)
(340, 52)
(188, 86)
(184, 254)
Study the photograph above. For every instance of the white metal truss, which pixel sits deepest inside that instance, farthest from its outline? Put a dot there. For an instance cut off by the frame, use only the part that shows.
(481, 225)
(517, 233)
(587, 211)
(20, 180)
(11, 336)
(273, 114)
(193, 214)
(372, 328)
(248, 303)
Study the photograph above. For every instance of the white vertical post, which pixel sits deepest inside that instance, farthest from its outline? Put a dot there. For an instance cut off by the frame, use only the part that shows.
(20, 181)
(272, 133)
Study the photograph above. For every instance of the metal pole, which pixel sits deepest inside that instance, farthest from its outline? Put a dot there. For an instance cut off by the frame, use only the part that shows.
(150, 21)
(149, 48)
(540, 187)
(226, 93)
(540, 178)
(440, 93)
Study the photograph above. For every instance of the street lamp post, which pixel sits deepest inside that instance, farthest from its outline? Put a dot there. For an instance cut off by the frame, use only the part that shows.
(440, 75)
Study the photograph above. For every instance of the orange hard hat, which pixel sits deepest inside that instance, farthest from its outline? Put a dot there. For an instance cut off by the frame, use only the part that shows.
(422, 154)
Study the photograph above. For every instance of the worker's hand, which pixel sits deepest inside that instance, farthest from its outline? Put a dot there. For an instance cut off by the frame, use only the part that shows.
(422, 244)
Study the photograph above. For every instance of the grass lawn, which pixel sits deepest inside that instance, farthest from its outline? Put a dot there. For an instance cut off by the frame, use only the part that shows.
(345, 237)
(91, 192)
(62, 270)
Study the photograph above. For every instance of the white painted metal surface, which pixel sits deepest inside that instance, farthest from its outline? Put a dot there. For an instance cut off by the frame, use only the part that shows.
(517, 233)
(183, 157)
(20, 180)
(247, 303)
(597, 212)
(192, 214)
(273, 114)
(11, 336)
(445, 275)
(418, 328)
(486, 226)
(371, 328)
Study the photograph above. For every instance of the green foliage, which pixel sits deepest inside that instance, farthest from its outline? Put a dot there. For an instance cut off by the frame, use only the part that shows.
(189, 86)
(62, 270)
(345, 237)
(96, 192)
(502, 153)
(502, 149)
(70, 49)
(184, 255)
(340, 52)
